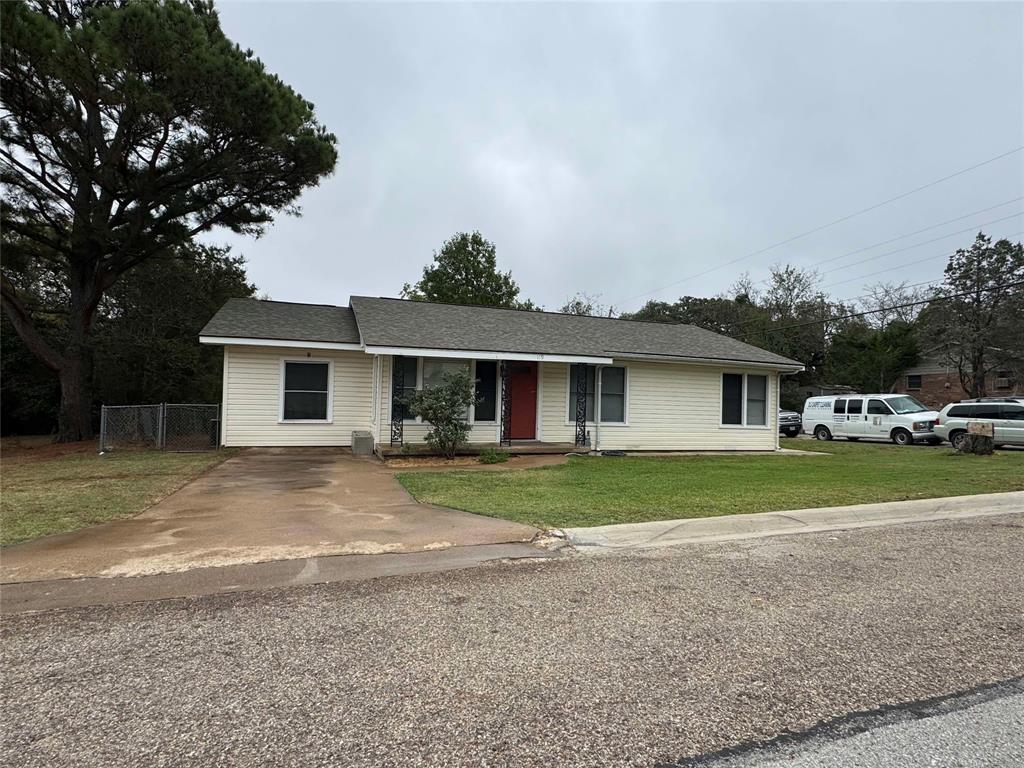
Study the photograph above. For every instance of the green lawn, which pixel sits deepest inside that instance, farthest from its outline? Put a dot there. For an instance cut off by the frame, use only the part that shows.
(52, 493)
(599, 491)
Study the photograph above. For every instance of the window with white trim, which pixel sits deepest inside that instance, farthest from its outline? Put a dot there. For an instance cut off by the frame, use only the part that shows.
(434, 371)
(744, 399)
(305, 394)
(613, 394)
(486, 408)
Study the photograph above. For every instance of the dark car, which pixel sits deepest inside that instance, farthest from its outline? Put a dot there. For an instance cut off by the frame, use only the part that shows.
(790, 423)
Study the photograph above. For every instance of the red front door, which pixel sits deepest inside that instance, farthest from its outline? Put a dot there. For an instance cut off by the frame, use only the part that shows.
(522, 385)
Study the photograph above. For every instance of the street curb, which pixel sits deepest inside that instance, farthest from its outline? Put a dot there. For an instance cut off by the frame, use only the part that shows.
(665, 533)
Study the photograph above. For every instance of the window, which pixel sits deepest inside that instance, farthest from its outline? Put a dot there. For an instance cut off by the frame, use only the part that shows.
(732, 398)
(878, 408)
(613, 395)
(914, 381)
(757, 400)
(744, 399)
(1003, 379)
(486, 391)
(306, 391)
(572, 392)
(434, 371)
(839, 406)
(410, 369)
(855, 407)
(906, 404)
(1013, 412)
(960, 411)
(987, 411)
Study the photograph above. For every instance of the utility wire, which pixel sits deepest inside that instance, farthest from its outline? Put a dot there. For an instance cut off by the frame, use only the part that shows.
(890, 309)
(911, 234)
(901, 266)
(918, 245)
(832, 223)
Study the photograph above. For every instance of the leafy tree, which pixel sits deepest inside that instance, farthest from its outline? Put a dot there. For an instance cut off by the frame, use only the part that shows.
(446, 407)
(584, 304)
(981, 331)
(145, 339)
(149, 324)
(870, 359)
(465, 271)
(127, 129)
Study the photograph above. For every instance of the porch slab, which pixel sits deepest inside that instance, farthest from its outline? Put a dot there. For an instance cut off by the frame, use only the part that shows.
(518, 448)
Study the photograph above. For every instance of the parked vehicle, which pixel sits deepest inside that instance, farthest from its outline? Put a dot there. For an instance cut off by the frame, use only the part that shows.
(790, 423)
(1005, 414)
(900, 418)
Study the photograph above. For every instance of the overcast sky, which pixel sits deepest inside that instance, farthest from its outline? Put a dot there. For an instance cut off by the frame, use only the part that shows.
(623, 149)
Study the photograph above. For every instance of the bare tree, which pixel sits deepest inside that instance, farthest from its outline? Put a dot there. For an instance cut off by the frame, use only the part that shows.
(885, 302)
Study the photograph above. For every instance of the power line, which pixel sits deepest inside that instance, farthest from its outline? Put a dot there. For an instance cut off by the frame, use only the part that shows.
(900, 266)
(827, 225)
(915, 232)
(890, 309)
(918, 245)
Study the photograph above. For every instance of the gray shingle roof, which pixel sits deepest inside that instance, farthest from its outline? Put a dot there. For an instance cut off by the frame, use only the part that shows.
(401, 323)
(419, 324)
(257, 319)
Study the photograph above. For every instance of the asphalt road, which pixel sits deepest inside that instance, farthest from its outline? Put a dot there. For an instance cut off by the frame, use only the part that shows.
(630, 660)
(967, 734)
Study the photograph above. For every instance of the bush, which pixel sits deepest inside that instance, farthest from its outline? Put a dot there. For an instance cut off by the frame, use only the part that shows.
(446, 408)
(491, 456)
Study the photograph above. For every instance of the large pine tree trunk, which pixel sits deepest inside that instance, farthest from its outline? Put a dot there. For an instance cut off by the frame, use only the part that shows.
(75, 415)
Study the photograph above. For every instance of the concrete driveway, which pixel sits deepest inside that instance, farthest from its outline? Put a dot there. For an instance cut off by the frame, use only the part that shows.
(265, 504)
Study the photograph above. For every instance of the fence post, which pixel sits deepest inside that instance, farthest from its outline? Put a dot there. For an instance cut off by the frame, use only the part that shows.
(103, 428)
(163, 426)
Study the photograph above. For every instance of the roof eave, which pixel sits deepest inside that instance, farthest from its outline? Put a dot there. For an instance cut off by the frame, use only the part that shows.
(781, 366)
(248, 341)
(485, 354)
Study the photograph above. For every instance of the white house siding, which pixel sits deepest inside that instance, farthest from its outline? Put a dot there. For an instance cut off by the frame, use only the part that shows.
(669, 407)
(252, 397)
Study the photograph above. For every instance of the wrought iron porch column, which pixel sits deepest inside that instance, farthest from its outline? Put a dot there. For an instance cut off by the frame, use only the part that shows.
(506, 406)
(397, 393)
(581, 403)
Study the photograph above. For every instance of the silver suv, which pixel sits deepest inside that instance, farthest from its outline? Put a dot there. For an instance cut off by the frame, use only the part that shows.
(1006, 415)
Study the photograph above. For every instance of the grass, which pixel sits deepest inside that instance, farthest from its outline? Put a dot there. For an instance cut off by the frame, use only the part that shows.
(603, 490)
(44, 491)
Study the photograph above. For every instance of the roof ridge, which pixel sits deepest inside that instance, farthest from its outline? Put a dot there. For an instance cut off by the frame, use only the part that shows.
(528, 311)
(291, 303)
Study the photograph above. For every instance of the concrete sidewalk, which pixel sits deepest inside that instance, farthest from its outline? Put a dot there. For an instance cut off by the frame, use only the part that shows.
(666, 533)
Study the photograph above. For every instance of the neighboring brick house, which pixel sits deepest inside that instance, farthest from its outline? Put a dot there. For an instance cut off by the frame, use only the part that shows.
(935, 382)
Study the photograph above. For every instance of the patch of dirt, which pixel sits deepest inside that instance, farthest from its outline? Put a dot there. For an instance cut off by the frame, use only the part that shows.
(42, 448)
(432, 461)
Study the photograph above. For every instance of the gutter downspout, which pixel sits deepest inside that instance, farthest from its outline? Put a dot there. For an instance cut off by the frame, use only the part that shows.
(778, 405)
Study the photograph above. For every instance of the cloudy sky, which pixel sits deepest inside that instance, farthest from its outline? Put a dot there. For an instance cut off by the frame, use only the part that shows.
(636, 151)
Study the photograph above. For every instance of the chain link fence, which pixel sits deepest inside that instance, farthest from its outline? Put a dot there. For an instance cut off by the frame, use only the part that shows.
(166, 426)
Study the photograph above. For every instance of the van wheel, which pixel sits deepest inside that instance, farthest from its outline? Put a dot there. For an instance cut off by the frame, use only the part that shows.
(822, 432)
(902, 437)
(957, 439)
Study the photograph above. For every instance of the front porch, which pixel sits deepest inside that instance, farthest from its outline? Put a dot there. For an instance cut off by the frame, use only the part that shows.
(515, 448)
(508, 414)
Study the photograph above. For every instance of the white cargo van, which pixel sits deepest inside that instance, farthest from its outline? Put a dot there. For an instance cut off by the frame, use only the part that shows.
(899, 418)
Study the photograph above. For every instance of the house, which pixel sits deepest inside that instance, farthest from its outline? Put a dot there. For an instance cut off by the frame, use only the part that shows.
(936, 383)
(311, 375)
